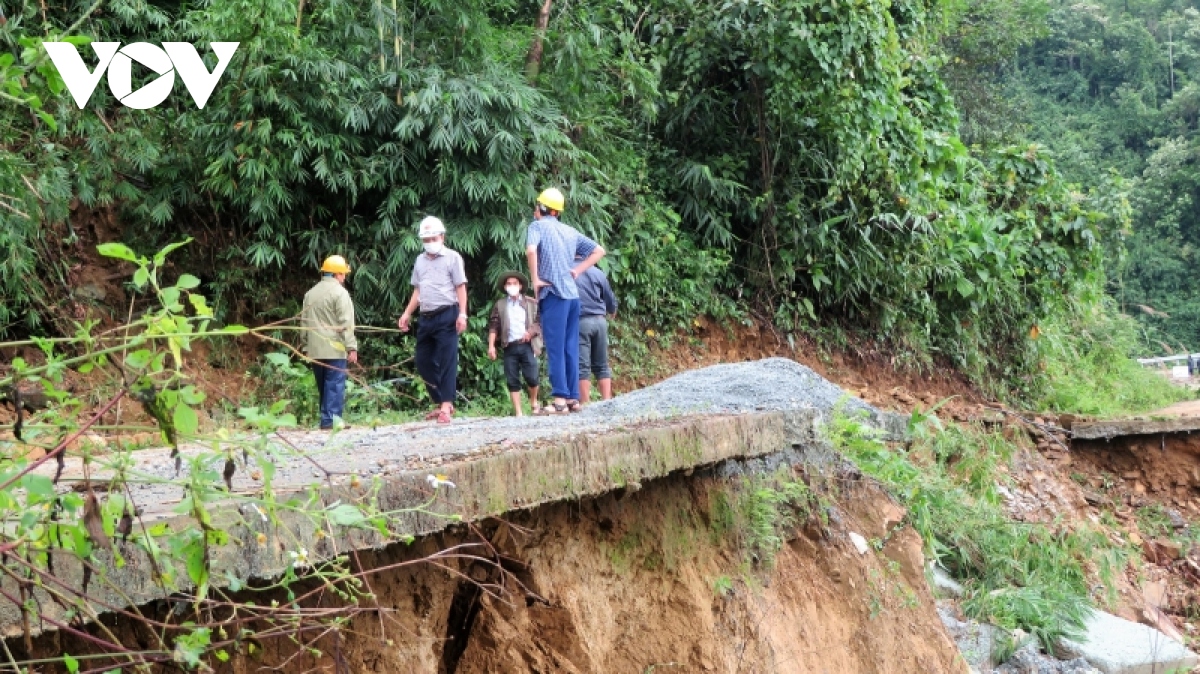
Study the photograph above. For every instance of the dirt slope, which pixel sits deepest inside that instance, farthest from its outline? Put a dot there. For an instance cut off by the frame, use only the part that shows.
(652, 580)
(648, 583)
(618, 606)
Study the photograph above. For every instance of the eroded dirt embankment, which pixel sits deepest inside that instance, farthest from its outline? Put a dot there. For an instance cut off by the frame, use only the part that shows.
(660, 578)
(652, 580)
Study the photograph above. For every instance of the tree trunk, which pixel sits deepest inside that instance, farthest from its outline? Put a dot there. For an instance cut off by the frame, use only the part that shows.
(533, 62)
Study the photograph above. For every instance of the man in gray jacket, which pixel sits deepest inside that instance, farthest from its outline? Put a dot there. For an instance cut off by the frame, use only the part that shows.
(597, 303)
(328, 320)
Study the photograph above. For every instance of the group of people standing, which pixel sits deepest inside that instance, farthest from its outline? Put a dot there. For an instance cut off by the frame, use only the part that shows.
(566, 315)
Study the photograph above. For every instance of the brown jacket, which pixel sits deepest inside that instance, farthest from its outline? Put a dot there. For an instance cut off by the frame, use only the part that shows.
(498, 323)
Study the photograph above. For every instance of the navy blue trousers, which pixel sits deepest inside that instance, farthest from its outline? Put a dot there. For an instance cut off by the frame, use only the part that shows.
(330, 374)
(437, 353)
(560, 333)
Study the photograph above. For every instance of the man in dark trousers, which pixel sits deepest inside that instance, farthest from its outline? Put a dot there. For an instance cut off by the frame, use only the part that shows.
(514, 323)
(439, 282)
(551, 247)
(328, 320)
(597, 304)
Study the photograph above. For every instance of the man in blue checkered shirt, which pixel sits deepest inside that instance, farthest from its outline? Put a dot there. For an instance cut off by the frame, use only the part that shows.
(551, 248)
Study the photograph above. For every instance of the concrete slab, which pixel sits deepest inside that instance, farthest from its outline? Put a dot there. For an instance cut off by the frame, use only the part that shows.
(1113, 428)
(496, 465)
(1117, 646)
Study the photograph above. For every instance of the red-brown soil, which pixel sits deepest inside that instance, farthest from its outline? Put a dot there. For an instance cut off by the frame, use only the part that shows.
(638, 582)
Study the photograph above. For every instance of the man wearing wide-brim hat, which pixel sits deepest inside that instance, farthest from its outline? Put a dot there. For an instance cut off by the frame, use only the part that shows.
(514, 323)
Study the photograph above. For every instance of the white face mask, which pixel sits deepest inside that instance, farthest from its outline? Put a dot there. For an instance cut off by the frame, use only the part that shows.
(433, 248)
(513, 290)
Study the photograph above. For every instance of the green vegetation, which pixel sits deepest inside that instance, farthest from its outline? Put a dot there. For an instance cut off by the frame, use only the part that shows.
(1088, 369)
(1153, 521)
(722, 586)
(757, 513)
(1112, 89)
(797, 162)
(1016, 574)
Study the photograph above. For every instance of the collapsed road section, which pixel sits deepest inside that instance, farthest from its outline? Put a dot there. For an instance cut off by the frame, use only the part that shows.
(496, 465)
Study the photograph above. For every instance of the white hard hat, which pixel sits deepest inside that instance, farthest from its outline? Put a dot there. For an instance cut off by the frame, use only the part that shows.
(431, 226)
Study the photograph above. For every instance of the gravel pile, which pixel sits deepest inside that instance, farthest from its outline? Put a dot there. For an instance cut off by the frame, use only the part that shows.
(769, 384)
(772, 384)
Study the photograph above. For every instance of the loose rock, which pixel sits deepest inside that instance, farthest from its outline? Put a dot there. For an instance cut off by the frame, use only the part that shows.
(1117, 646)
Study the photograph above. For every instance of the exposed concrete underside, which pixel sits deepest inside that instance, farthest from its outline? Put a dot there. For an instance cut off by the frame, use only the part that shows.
(498, 466)
(1106, 430)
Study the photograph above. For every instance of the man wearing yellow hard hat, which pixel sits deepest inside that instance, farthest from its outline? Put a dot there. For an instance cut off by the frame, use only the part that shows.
(328, 319)
(551, 248)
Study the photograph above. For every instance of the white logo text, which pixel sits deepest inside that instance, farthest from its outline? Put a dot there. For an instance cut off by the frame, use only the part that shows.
(171, 58)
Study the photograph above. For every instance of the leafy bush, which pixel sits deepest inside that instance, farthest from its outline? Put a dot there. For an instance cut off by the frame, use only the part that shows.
(1016, 574)
(1089, 366)
(759, 511)
(797, 158)
(285, 379)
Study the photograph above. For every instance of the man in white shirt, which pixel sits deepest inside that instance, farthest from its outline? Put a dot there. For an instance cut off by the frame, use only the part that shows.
(514, 321)
(440, 289)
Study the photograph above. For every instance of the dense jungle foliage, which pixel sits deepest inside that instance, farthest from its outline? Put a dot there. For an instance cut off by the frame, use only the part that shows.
(796, 160)
(1113, 89)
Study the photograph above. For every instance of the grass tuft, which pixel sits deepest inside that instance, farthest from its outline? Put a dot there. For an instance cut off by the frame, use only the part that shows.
(1090, 368)
(1016, 574)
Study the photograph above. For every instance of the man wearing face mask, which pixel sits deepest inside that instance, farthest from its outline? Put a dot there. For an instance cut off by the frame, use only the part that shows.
(439, 282)
(515, 320)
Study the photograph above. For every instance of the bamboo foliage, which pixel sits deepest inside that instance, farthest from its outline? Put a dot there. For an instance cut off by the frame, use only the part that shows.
(803, 153)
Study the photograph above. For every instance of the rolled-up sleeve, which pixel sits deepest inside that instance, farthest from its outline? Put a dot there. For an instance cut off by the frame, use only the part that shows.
(584, 246)
(534, 236)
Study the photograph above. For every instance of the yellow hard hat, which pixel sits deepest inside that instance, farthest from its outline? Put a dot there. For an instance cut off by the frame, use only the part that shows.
(552, 199)
(335, 264)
